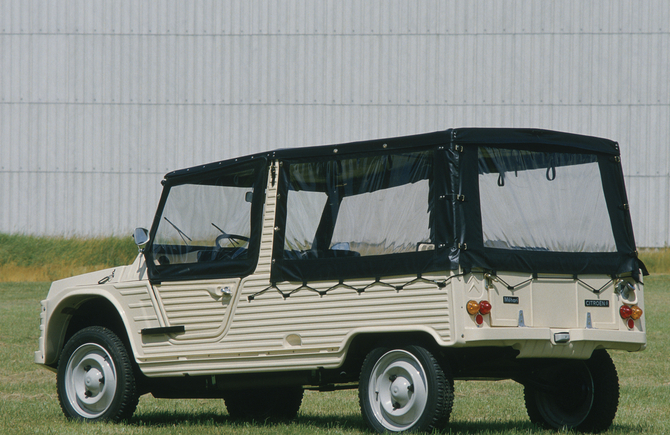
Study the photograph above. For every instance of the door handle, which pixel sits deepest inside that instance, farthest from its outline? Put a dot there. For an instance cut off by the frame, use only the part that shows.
(220, 291)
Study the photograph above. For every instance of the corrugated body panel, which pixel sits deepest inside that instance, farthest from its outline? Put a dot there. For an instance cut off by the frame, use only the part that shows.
(201, 312)
(260, 327)
(257, 335)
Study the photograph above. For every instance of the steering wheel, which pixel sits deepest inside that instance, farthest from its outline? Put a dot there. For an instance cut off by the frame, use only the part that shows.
(232, 238)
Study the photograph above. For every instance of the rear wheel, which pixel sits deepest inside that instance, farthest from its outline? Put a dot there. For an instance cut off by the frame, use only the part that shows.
(579, 395)
(404, 389)
(95, 379)
(261, 404)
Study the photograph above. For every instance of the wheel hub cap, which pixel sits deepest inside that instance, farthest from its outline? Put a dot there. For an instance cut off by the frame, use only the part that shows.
(90, 380)
(401, 392)
(93, 381)
(398, 390)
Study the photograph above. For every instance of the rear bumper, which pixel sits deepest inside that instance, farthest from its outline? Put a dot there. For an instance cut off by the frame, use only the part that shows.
(542, 342)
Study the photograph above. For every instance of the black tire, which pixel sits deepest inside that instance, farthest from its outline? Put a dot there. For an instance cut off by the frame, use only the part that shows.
(404, 390)
(577, 395)
(264, 404)
(448, 403)
(95, 379)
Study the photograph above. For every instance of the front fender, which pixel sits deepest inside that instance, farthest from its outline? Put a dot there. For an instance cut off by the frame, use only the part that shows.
(61, 312)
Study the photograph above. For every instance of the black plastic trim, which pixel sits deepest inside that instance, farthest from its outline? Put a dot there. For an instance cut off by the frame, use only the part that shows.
(177, 329)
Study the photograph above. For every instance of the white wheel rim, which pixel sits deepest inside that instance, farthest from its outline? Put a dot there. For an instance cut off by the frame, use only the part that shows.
(398, 390)
(90, 380)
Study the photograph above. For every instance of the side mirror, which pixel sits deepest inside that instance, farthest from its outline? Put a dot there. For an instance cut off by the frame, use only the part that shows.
(141, 236)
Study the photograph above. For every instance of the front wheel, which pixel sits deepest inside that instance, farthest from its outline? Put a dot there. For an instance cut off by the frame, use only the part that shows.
(578, 395)
(95, 379)
(404, 389)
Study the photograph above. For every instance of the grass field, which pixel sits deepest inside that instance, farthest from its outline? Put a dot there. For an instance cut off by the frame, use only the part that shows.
(28, 402)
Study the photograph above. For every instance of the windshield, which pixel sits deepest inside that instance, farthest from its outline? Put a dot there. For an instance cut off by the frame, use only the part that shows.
(207, 225)
(196, 215)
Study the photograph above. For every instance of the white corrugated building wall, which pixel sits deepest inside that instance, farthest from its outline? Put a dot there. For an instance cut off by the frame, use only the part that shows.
(98, 99)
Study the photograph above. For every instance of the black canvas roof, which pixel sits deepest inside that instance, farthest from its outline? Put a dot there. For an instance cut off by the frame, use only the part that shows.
(537, 139)
(459, 156)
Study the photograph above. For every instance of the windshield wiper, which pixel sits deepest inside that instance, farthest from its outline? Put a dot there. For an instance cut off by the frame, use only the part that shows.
(215, 226)
(181, 233)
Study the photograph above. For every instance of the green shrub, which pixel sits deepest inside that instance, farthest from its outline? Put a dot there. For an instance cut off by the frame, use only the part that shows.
(31, 258)
(656, 260)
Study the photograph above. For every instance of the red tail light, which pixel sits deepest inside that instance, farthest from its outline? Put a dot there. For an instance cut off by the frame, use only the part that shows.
(482, 307)
(630, 313)
(479, 310)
